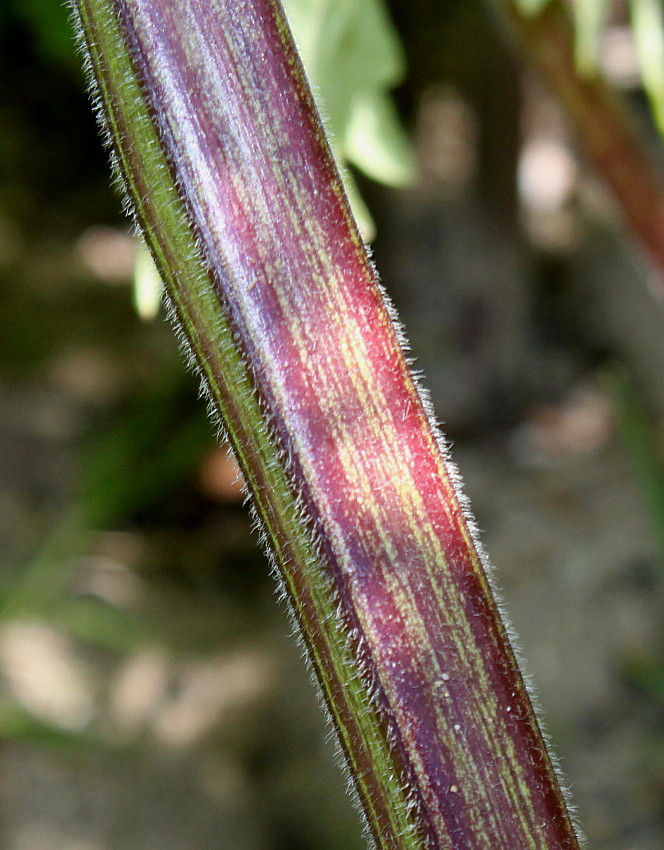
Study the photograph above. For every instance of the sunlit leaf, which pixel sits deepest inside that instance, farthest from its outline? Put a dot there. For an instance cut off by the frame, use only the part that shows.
(375, 143)
(531, 7)
(648, 25)
(589, 17)
(147, 283)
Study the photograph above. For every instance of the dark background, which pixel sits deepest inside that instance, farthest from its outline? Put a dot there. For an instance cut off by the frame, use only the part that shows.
(150, 695)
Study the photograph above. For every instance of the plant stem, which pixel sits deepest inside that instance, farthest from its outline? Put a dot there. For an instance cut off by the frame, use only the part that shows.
(603, 123)
(226, 165)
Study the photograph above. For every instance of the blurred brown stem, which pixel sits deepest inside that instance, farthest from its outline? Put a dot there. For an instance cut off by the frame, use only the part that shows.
(602, 121)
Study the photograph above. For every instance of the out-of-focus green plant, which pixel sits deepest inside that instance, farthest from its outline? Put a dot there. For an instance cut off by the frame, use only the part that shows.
(589, 18)
(642, 445)
(648, 23)
(47, 21)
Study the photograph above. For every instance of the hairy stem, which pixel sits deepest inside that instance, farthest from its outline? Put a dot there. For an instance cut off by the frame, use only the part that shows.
(227, 169)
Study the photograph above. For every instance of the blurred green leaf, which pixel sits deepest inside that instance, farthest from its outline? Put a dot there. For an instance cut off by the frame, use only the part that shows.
(531, 7)
(16, 724)
(41, 584)
(589, 18)
(648, 25)
(375, 142)
(97, 623)
(640, 442)
(48, 22)
(153, 447)
(646, 674)
(147, 283)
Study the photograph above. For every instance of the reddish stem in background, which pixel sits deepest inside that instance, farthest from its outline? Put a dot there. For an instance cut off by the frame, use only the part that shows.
(604, 126)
